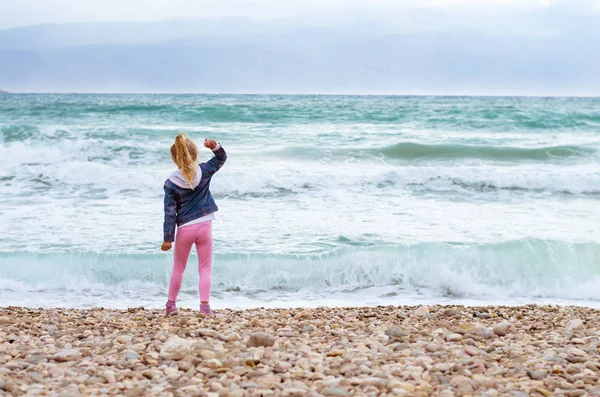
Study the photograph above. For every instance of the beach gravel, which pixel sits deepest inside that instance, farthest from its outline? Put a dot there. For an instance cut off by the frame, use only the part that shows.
(368, 351)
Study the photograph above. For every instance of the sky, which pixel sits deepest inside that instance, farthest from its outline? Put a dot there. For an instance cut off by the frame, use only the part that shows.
(30, 12)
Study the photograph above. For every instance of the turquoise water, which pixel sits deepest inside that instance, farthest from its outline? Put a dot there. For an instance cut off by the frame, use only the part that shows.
(323, 200)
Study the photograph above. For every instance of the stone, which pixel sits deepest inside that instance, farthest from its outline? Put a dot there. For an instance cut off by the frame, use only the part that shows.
(502, 328)
(396, 332)
(334, 391)
(536, 375)
(258, 339)
(149, 373)
(452, 313)
(472, 350)
(574, 324)
(309, 328)
(36, 358)
(36, 377)
(109, 375)
(453, 337)
(213, 363)
(67, 355)
(421, 311)
(124, 339)
(208, 354)
(175, 348)
(462, 384)
(131, 355)
(292, 392)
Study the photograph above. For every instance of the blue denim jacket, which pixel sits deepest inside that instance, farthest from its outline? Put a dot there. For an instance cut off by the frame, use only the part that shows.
(183, 205)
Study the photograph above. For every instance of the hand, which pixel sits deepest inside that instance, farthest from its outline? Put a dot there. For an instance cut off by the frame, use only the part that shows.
(166, 246)
(210, 144)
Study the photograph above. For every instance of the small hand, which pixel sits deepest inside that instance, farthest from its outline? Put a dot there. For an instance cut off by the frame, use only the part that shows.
(210, 144)
(166, 246)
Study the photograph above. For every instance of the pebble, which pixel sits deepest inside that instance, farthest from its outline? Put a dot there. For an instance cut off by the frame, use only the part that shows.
(574, 324)
(334, 391)
(502, 328)
(452, 313)
(396, 332)
(260, 339)
(536, 375)
(453, 337)
(175, 349)
(124, 339)
(421, 311)
(131, 355)
(67, 355)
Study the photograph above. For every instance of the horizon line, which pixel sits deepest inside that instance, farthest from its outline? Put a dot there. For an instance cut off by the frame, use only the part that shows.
(573, 96)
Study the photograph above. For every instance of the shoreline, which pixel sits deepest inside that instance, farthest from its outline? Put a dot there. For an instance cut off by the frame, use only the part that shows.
(361, 351)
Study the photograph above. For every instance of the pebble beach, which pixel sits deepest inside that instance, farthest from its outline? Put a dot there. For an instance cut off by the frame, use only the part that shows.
(370, 351)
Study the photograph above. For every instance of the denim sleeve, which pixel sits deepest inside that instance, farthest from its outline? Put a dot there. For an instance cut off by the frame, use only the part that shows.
(170, 214)
(213, 165)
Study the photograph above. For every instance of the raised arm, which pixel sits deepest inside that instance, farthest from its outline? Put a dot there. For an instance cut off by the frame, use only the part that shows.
(213, 165)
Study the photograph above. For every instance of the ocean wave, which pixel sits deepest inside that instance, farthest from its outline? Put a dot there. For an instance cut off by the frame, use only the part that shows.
(520, 268)
(414, 151)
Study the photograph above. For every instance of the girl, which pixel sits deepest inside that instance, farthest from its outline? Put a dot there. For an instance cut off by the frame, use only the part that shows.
(190, 206)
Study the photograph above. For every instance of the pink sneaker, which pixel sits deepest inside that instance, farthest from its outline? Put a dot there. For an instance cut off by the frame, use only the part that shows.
(205, 309)
(171, 309)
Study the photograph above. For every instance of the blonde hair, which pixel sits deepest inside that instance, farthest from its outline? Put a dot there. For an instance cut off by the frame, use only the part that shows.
(184, 153)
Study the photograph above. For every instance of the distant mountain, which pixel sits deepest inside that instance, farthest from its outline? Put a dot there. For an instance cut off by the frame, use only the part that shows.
(4, 92)
(246, 56)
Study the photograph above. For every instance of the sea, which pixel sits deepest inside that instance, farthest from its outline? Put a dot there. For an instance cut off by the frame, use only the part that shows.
(323, 201)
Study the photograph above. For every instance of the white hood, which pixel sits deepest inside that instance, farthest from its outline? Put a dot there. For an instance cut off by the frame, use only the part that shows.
(179, 180)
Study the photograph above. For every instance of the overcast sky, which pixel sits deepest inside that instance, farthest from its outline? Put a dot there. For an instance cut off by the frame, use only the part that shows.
(16, 13)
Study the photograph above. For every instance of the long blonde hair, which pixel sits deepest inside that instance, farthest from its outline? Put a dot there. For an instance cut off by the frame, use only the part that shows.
(184, 153)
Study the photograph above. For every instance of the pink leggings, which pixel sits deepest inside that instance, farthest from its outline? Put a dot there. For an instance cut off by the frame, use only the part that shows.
(201, 235)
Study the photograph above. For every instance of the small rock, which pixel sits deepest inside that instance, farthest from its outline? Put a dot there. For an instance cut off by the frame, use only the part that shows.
(482, 315)
(309, 328)
(502, 328)
(421, 311)
(236, 393)
(430, 316)
(535, 375)
(334, 391)
(149, 373)
(577, 393)
(396, 332)
(574, 324)
(172, 372)
(175, 349)
(131, 355)
(472, 350)
(213, 363)
(462, 384)
(578, 341)
(305, 314)
(453, 337)
(335, 353)
(36, 377)
(446, 393)
(109, 376)
(67, 355)
(124, 339)
(36, 358)
(452, 313)
(291, 392)
(258, 339)
(208, 354)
